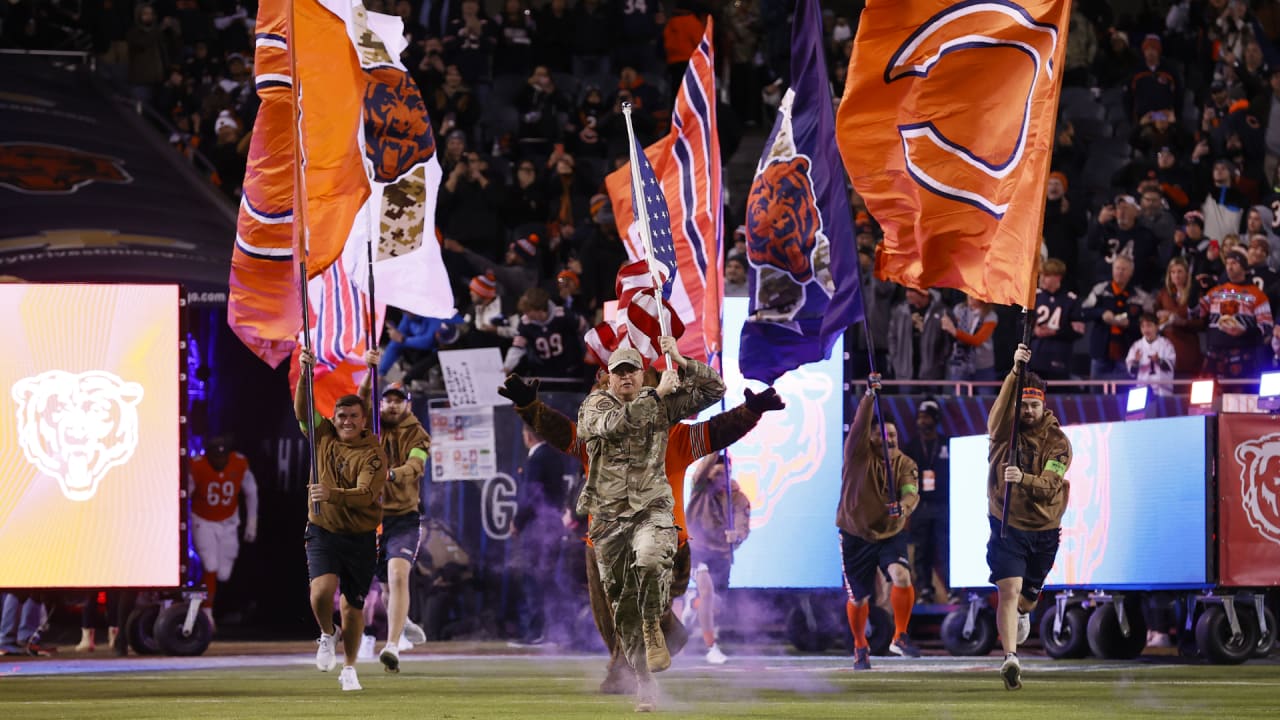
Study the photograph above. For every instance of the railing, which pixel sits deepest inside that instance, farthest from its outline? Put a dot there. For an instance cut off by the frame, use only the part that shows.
(966, 388)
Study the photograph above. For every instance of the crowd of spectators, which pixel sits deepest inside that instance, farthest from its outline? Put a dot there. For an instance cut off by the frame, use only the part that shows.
(1163, 199)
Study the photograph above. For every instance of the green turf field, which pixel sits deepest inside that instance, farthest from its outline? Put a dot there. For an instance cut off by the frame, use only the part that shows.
(562, 688)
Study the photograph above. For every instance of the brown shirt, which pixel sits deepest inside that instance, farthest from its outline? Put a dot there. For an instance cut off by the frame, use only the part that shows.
(354, 472)
(1039, 501)
(407, 446)
(864, 487)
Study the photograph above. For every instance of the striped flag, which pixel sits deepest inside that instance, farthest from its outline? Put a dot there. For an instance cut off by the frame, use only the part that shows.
(341, 317)
(636, 324)
(683, 170)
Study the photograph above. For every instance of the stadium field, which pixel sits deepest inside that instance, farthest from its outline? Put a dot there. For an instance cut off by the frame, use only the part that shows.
(287, 685)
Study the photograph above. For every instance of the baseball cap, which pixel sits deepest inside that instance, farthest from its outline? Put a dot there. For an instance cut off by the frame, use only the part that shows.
(625, 356)
(396, 389)
(930, 408)
(1126, 200)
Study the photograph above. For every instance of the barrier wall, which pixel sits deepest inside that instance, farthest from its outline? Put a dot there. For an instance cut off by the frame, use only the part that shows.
(1248, 511)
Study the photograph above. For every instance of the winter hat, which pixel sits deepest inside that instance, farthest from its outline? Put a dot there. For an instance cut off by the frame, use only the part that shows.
(225, 119)
(569, 276)
(1194, 216)
(486, 286)
(1060, 177)
(1152, 41)
(526, 247)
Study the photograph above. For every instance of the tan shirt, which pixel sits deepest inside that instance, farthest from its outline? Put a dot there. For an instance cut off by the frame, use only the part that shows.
(355, 473)
(1039, 501)
(864, 486)
(407, 446)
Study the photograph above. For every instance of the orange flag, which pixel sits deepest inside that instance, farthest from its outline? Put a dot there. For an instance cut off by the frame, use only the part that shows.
(946, 129)
(264, 308)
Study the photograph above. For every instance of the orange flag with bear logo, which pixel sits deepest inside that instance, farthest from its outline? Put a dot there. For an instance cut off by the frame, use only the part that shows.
(946, 129)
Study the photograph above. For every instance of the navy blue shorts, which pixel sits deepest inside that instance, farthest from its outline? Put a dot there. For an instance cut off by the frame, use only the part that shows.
(399, 539)
(717, 565)
(1026, 554)
(862, 557)
(353, 558)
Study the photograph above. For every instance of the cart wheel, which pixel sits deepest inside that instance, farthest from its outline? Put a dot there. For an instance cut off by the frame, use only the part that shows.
(139, 629)
(979, 642)
(168, 631)
(1072, 642)
(1262, 648)
(1214, 638)
(803, 637)
(1105, 638)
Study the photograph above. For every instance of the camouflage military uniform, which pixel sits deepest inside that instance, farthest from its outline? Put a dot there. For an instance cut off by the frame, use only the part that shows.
(629, 500)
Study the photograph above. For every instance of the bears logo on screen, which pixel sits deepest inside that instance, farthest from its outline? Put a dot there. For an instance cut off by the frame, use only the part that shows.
(41, 168)
(782, 218)
(74, 427)
(1260, 484)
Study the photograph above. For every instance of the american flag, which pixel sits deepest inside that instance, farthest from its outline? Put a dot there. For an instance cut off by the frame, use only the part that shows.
(681, 173)
(341, 317)
(635, 323)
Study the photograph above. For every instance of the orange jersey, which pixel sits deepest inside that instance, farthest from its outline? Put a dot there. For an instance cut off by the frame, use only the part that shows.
(216, 495)
(685, 444)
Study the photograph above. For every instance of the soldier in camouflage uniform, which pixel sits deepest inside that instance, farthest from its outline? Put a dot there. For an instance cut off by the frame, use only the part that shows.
(627, 496)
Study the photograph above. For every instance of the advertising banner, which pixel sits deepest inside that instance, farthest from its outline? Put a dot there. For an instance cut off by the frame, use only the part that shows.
(1248, 485)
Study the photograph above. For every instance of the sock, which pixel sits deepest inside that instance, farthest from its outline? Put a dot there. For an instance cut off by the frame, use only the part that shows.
(903, 599)
(709, 637)
(211, 586)
(857, 615)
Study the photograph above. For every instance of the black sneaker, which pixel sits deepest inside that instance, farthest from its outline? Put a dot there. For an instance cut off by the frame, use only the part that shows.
(862, 659)
(903, 646)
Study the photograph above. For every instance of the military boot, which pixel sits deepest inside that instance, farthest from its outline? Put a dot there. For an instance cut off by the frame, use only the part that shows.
(655, 647)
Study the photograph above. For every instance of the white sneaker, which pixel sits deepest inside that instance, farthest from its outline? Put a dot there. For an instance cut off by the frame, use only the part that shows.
(390, 658)
(1024, 627)
(325, 657)
(367, 643)
(413, 632)
(348, 680)
(1011, 672)
(404, 643)
(715, 657)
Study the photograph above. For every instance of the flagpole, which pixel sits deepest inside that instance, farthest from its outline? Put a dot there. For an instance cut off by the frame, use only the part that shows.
(1014, 454)
(371, 341)
(637, 191)
(301, 246)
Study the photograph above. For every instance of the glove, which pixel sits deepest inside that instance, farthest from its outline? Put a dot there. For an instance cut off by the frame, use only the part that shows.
(873, 383)
(519, 391)
(251, 530)
(761, 403)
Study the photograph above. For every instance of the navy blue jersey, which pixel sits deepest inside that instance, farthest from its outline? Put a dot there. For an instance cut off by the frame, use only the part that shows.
(1051, 354)
(553, 348)
(637, 20)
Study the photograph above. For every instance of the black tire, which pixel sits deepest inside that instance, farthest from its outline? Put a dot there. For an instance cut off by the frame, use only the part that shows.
(803, 637)
(1217, 644)
(139, 629)
(168, 631)
(1072, 643)
(1105, 639)
(979, 643)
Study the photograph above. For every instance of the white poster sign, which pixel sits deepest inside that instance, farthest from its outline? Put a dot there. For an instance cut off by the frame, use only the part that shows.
(472, 377)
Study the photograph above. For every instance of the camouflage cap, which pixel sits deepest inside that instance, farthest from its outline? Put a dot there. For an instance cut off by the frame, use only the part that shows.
(626, 356)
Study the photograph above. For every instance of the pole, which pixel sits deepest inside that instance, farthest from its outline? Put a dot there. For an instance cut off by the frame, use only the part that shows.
(895, 508)
(642, 217)
(371, 341)
(1014, 452)
(301, 245)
